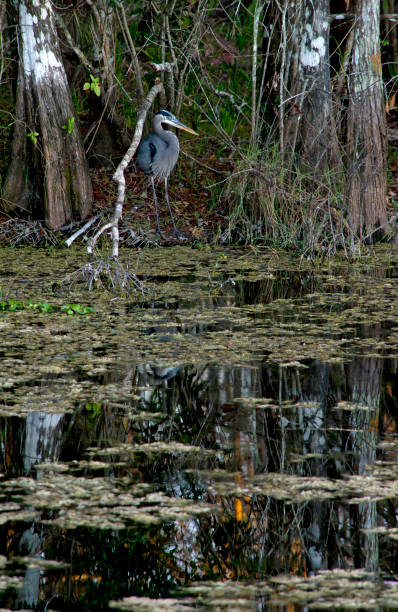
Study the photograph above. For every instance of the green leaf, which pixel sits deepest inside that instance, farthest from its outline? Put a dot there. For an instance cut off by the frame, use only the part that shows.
(71, 124)
(33, 137)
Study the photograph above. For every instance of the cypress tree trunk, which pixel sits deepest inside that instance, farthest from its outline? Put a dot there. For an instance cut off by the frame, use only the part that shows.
(366, 125)
(48, 175)
(310, 126)
(314, 80)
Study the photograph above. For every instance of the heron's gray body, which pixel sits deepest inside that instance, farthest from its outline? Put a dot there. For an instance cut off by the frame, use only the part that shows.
(158, 156)
(158, 153)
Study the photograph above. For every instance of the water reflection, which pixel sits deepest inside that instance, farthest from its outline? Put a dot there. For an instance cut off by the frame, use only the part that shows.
(319, 421)
(241, 479)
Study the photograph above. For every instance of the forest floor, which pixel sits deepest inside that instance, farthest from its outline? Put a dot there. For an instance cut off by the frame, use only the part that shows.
(200, 214)
(198, 196)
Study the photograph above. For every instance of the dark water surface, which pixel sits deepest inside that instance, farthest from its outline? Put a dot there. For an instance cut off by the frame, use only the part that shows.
(226, 440)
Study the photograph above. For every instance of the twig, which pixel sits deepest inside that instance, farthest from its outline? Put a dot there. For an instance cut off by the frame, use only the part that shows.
(391, 220)
(282, 80)
(106, 101)
(254, 117)
(96, 13)
(263, 76)
(199, 163)
(171, 45)
(120, 178)
(81, 230)
(345, 63)
(163, 100)
(129, 41)
(3, 15)
(222, 94)
(164, 67)
(71, 43)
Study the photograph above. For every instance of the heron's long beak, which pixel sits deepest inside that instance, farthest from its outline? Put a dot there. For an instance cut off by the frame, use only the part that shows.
(181, 126)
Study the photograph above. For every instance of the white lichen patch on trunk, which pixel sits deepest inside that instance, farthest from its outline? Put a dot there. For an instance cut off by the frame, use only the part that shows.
(38, 57)
(313, 46)
(26, 24)
(365, 52)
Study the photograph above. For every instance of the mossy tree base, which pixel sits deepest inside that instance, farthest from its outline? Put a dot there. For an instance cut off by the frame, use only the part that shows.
(48, 175)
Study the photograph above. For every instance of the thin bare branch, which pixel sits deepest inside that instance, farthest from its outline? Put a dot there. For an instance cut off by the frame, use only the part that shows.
(121, 13)
(164, 67)
(254, 117)
(119, 174)
(199, 163)
(81, 230)
(72, 44)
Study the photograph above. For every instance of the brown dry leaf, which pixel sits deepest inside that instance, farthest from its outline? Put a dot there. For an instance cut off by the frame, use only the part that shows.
(390, 104)
(197, 231)
(226, 44)
(376, 62)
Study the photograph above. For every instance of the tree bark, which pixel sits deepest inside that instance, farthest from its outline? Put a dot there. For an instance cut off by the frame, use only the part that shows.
(48, 175)
(310, 125)
(366, 124)
(315, 85)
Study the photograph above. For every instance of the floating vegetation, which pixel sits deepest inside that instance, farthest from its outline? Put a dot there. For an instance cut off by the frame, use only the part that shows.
(329, 589)
(152, 448)
(8, 581)
(350, 589)
(223, 424)
(146, 604)
(40, 563)
(97, 502)
(376, 484)
(190, 325)
(353, 406)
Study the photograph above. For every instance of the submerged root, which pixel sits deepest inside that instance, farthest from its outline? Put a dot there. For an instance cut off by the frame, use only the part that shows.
(106, 273)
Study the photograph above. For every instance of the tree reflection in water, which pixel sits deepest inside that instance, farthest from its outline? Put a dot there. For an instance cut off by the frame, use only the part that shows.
(162, 477)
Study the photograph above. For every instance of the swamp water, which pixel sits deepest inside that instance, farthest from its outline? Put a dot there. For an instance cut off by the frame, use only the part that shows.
(226, 440)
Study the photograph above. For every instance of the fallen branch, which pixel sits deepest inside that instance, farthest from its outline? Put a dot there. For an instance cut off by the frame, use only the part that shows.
(119, 175)
(390, 221)
(81, 230)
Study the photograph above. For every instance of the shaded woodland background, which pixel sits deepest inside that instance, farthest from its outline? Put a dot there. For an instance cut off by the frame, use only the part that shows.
(294, 103)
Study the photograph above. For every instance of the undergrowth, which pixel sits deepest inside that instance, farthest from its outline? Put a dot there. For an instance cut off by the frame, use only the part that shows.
(282, 206)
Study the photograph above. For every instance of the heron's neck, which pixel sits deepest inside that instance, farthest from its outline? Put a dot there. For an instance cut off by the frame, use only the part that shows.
(171, 139)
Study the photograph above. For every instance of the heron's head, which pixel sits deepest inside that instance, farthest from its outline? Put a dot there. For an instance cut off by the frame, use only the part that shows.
(167, 118)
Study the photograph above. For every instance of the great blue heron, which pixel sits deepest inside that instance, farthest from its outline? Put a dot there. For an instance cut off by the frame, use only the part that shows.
(158, 154)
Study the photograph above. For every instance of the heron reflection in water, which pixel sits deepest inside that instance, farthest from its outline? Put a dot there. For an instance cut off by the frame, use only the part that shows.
(157, 156)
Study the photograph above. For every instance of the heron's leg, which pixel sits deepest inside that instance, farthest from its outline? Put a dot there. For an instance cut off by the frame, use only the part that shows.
(155, 201)
(166, 191)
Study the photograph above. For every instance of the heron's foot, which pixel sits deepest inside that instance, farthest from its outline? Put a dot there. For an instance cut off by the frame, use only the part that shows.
(160, 233)
(180, 235)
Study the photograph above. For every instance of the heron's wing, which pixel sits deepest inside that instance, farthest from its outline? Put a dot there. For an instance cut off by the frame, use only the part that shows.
(147, 152)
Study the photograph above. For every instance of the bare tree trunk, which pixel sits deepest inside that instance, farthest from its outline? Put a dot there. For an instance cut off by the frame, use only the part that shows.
(311, 119)
(366, 126)
(48, 176)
